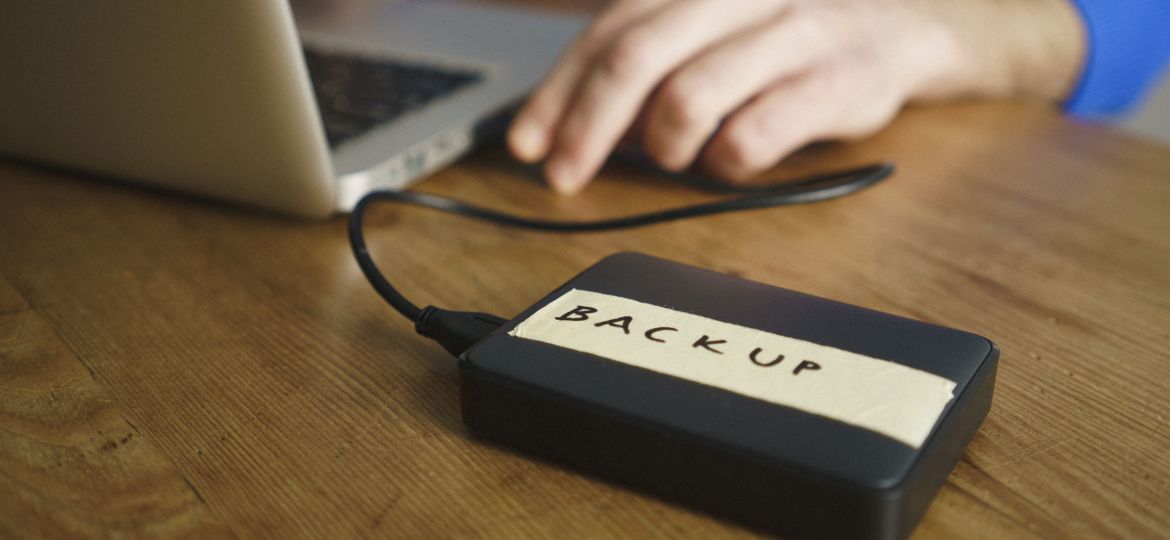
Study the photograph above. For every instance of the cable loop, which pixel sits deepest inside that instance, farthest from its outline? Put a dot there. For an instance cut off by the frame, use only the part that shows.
(816, 188)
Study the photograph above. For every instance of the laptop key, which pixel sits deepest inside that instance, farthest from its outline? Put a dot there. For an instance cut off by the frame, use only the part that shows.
(356, 94)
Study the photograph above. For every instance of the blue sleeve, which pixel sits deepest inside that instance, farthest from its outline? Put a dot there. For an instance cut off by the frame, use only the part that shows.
(1128, 48)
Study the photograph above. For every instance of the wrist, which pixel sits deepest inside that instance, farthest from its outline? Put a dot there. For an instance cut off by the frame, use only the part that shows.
(1029, 50)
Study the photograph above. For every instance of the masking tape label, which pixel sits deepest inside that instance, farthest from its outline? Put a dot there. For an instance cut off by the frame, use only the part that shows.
(898, 401)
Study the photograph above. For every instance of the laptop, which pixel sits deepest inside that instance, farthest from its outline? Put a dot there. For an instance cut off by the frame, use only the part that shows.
(300, 109)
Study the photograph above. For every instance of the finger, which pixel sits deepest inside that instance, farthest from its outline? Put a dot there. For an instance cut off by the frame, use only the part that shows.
(531, 131)
(689, 106)
(823, 104)
(630, 143)
(618, 81)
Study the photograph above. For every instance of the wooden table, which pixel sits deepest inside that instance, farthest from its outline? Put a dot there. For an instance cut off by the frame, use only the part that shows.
(173, 366)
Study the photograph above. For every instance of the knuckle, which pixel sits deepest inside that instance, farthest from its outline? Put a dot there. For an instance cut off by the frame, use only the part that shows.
(670, 151)
(811, 27)
(830, 83)
(632, 53)
(666, 157)
(663, 149)
(741, 148)
(685, 103)
(870, 121)
(865, 112)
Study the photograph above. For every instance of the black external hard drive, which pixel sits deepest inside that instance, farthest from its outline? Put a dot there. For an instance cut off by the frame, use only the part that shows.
(789, 413)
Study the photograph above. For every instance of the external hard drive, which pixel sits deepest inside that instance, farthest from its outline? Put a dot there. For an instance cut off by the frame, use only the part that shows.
(789, 413)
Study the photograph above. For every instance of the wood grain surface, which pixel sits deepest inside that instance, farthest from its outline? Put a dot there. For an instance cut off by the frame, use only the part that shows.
(180, 367)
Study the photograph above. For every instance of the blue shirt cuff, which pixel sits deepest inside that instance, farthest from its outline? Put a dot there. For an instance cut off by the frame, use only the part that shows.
(1128, 48)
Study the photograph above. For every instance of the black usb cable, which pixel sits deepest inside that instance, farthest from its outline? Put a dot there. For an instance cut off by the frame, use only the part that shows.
(457, 331)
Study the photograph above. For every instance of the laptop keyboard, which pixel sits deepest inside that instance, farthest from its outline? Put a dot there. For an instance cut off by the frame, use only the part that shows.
(356, 94)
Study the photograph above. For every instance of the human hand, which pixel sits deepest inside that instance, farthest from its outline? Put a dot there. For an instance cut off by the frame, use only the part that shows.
(737, 85)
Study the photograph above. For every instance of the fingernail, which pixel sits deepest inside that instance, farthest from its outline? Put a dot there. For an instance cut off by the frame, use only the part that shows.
(562, 176)
(526, 141)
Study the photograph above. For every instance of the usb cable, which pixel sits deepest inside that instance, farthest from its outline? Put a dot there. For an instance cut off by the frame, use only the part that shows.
(457, 331)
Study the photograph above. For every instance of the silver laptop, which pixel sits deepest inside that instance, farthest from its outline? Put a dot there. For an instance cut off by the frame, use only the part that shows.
(218, 97)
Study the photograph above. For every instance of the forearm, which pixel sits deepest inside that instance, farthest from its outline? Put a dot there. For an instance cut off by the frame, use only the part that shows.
(1028, 49)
